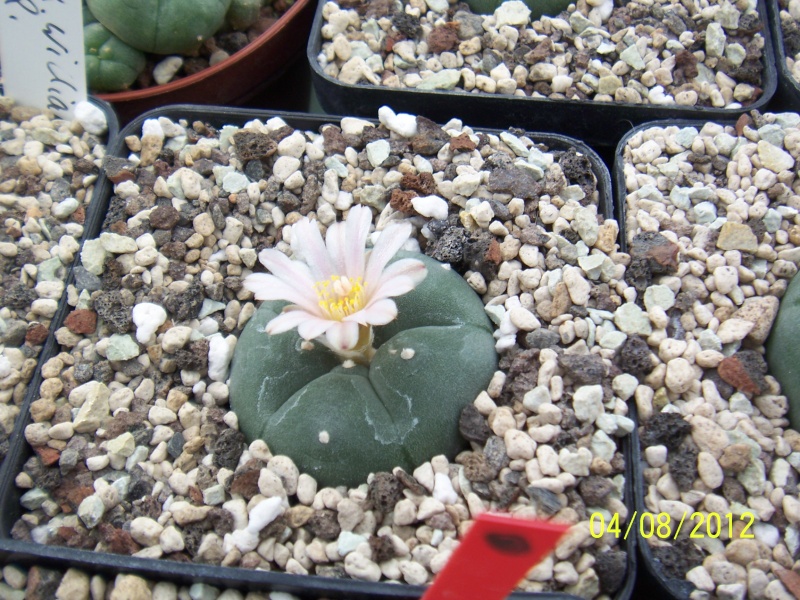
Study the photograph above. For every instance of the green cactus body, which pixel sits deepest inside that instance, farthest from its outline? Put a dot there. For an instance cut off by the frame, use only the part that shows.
(339, 424)
(161, 26)
(111, 65)
(783, 349)
(537, 7)
(243, 13)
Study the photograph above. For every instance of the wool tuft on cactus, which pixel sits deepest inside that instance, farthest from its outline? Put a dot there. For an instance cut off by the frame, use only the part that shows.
(537, 8)
(370, 365)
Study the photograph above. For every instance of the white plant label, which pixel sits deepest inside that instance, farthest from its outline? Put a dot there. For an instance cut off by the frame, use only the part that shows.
(41, 49)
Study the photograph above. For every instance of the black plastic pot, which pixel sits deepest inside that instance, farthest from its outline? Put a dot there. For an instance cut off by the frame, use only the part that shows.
(102, 189)
(788, 87)
(29, 553)
(668, 588)
(599, 124)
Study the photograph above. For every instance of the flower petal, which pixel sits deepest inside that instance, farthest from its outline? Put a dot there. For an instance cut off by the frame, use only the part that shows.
(343, 335)
(406, 267)
(270, 287)
(357, 225)
(293, 272)
(313, 327)
(378, 313)
(399, 278)
(390, 241)
(307, 242)
(335, 242)
(391, 288)
(287, 321)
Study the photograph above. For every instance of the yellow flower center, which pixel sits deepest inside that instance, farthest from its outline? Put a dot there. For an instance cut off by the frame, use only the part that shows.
(341, 296)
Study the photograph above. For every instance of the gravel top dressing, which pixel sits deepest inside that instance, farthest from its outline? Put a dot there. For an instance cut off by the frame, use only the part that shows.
(690, 53)
(135, 449)
(712, 226)
(48, 171)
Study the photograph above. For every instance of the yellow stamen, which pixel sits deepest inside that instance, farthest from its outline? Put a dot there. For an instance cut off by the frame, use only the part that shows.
(341, 296)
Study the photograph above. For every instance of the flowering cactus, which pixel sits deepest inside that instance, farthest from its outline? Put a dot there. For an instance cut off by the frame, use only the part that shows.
(371, 364)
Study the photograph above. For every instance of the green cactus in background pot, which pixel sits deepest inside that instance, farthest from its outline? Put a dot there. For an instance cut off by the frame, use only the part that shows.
(111, 64)
(372, 363)
(243, 13)
(783, 349)
(161, 26)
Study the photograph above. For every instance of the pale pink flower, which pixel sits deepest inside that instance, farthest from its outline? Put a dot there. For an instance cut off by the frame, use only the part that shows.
(337, 289)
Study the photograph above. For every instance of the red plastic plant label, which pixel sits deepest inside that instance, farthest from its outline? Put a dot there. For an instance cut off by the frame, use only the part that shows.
(494, 556)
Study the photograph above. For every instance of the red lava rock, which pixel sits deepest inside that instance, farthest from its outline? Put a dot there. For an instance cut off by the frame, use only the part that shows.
(246, 483)
(442, 39)
(195, 495)
(79, 216)
(118, 169)
(424, 183)
(70, 494)
(494, 254)
(117, 541)
(81, 321)
(49, 456)
(462, 143)
(164, 217)
(75, 538)
(401, 200)
(119, 227)
(790, 580)
(745, 371)
(688, 62)
(36, 334)
(660, 253)
(743, 121)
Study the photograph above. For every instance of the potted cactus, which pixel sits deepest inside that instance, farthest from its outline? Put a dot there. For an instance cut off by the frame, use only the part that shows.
(397, 372)
(146, 54)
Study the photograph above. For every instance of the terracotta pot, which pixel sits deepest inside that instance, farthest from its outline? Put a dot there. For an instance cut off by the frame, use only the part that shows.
(232, 81)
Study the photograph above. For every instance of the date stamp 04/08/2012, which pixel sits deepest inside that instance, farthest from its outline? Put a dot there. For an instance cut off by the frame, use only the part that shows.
(664, 527)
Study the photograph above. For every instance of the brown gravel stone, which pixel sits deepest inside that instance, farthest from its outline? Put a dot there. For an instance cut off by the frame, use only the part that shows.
(385, 490)
(735, 458)
(117, 541)
(442, 39)
(164, 217)
(745, 371)
(297, 516)
(401, 200)
(422, 183)
(42, 584)
(36, 334)
(48, 456)
(42, 410)
(324, 524)
(462, 143)
(245, 482)
(81, 321)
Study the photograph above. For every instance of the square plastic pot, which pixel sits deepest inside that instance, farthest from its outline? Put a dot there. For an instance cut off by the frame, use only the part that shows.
(29, 553)
(600, 124)
(101, 189)
(788, 87)
(667, 587)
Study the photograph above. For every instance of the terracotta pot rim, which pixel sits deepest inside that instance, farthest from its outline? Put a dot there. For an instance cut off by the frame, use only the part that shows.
(187, 82)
